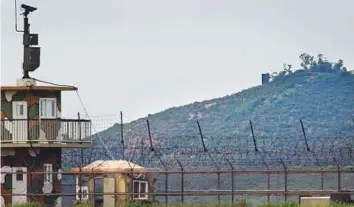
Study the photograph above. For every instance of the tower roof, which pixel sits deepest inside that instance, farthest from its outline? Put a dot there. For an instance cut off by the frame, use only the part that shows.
(38, 88)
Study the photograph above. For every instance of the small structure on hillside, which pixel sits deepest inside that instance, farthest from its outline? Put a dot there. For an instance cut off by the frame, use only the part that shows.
(119, 176)
(265, 78)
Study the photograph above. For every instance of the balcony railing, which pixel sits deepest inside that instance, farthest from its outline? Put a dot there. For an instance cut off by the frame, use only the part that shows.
(45, 131)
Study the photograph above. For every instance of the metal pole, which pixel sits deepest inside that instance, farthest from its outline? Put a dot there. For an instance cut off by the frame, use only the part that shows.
(268, 180)
(304, 134)
(121, 134)
(285, 180)
(166, 189)
(182, 180)
(253, 137)
(82, 155)
(232, 183)
(233, 188)
(201, 136)
(339, 178)
(268, 187)
(149, 132)
(322, 175)
(182, 185)
(26, 31)
(116, 197)
(218, 187)
(286, 186)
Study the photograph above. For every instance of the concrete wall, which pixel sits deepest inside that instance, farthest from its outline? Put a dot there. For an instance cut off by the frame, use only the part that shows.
(32, 159)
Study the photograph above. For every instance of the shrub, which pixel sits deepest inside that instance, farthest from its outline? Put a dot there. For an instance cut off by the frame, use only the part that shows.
(29, 204)
(83, 204)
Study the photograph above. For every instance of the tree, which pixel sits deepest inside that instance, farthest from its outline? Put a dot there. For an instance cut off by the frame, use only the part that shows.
(338, 65)
(320, 58)
(287, 68)
(307, 60)
(318, 64)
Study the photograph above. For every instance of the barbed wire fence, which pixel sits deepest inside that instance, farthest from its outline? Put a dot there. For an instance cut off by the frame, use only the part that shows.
(251, 145)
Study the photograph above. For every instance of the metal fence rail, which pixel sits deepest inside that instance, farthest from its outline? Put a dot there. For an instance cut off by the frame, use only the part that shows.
(253, 164)
(220, 186)
(298, 157)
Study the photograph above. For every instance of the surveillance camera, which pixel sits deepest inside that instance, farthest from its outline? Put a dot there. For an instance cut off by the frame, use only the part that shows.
(28, 8)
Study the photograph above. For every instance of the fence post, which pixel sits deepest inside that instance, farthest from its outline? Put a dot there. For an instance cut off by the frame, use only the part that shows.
(121, 134)
(201, 136)
(166, 189)
(182, 180)
(338, 174)
(285, 181)
(322, 175)
(268, 179)
(152, 149)
(218, 187)
(182, 184)
(232, 183)
(253, 137)
(339, 177)
(149, 133)
(268, 187)
(211, 158)
(304, 134)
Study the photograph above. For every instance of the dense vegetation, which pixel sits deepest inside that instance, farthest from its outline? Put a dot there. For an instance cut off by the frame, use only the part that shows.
(321, 93)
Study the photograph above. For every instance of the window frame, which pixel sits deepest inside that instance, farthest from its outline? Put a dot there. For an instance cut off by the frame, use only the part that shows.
(140, 197)
(17, 108)
(20, 111)
(80, 192)
(45, 115)
(48, 173)
(19, 175)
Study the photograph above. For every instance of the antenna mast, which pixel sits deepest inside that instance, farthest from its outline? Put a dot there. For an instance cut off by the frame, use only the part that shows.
(31, 55)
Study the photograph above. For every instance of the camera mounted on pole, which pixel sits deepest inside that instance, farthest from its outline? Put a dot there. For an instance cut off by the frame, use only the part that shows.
(31, 55)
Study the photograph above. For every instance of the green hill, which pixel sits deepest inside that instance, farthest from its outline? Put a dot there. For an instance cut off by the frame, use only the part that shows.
(322, 95)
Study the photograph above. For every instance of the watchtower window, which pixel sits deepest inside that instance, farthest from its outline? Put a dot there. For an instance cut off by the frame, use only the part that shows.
(47, 108)
(48, 175)
(19, 175)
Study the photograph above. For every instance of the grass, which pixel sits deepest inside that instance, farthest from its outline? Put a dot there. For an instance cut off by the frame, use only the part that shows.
(240, 204)
(29, 204)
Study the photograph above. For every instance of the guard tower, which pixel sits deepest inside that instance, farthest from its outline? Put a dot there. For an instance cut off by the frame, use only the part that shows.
(33, 133)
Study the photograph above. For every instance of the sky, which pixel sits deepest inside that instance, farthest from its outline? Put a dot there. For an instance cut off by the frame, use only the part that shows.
(142, 57)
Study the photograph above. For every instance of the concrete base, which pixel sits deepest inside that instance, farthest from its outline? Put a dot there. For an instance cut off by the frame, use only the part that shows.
(26, 82)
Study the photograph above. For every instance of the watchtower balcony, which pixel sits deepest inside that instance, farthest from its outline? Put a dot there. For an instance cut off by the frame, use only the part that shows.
(58, 132)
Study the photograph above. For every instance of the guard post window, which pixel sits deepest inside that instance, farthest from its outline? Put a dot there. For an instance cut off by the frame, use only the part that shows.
(20, 110)
(47, 108)
(48, 173)
(141, 188)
